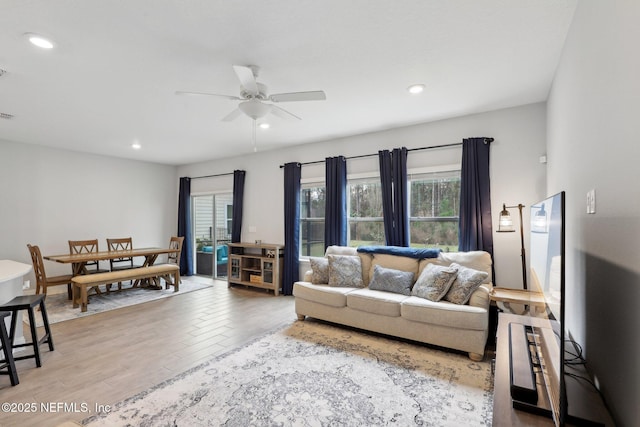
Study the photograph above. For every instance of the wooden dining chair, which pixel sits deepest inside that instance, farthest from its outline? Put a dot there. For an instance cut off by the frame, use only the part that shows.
(174, 258)
(86, 247)
(42, 281)
(121, 244)
(124, 263)
(175, 243)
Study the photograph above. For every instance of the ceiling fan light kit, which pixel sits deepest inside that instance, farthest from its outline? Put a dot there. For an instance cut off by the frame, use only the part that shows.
(254, 108)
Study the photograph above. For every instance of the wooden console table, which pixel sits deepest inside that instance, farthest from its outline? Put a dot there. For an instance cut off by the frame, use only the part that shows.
(256, 264)
(532, 302)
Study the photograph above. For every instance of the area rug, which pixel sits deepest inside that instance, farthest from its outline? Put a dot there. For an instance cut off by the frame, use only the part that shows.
(60, 308)
(314, 374)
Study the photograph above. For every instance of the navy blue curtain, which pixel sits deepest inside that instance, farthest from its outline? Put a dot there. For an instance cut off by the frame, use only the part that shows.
(290, 275)
(386, 181)
(184, 226)
(475, 230)
(400, 197)
(335, 215)
(238, 196)
(395, 196)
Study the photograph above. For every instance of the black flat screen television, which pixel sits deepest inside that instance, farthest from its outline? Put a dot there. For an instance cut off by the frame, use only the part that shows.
(547, 270)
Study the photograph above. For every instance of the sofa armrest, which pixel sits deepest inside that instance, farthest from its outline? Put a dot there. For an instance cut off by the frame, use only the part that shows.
(480, 297)
(307, 276)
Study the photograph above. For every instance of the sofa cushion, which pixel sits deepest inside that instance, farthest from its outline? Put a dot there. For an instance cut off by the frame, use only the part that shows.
(377, 302)
(390, 280)
(319, 270)
(365, 259)
(394, 262)
(322, 294)
(340, 250)
(444, 313)
(434, 282)
(478, 260)
(467, 281)
(345, 271)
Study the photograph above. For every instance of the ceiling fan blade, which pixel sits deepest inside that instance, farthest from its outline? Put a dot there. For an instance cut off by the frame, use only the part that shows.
(234, 98)
(247, 79)
(232, 115)
(315, 95)
(282, 113)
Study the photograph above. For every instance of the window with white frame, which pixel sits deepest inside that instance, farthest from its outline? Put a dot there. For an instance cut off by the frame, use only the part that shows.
(434, 206)
(312, 205)
(366, 226)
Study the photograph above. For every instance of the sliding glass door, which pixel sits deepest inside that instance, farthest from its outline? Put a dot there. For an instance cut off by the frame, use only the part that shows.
(212, 231)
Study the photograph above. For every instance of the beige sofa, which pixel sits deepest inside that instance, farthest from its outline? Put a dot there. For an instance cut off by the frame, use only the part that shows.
(457, 326)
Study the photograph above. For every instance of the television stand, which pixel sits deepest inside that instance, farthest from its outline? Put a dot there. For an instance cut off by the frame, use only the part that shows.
(584, 402)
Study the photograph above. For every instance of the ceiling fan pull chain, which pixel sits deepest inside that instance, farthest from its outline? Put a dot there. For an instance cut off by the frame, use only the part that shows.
(255, 147)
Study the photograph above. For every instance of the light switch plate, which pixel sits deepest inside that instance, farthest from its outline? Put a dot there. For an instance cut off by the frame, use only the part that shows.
(591, 201)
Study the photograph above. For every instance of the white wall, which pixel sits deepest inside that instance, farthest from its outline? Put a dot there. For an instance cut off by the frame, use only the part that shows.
(516, 174)
(593, 143)
(51, 196)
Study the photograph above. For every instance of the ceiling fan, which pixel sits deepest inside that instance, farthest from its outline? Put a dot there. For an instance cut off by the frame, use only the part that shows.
(254, 97)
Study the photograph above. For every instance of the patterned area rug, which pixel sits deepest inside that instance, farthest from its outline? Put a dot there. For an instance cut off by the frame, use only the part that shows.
(60, 308)
(314, 374)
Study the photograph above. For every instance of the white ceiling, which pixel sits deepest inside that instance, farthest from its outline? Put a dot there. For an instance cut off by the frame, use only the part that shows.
(112, 77)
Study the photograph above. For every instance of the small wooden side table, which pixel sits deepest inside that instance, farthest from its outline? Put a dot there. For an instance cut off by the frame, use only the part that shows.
(532, 302)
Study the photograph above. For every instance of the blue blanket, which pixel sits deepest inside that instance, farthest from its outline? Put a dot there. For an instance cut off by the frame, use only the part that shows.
(418, 253)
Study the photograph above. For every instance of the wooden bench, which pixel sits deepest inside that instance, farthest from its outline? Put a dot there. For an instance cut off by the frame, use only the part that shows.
(169, 272)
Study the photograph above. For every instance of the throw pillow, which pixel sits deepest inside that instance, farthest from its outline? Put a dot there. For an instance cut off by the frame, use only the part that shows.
(396, 263)
(345, 271)
(390, 280)
(319, 270)
(434, 282)
(467, 281)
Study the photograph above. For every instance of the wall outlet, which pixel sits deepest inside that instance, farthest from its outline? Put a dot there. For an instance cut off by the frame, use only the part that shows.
(252, 229)
(591, 202)
(26, 284)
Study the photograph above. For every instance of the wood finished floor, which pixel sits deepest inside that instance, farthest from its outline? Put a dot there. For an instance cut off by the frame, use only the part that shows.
(107, 357)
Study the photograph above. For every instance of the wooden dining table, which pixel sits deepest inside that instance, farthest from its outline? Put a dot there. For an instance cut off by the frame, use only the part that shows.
(78, 261)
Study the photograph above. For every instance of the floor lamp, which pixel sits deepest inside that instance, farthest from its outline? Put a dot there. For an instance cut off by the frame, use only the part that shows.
(505, 225)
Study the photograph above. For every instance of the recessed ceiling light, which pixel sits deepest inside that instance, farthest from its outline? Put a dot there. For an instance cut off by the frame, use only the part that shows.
(40, 41)
(136, 146)
(265, 125)
(416, 89)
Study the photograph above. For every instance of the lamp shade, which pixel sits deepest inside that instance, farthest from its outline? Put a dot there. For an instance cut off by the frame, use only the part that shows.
(505, 224)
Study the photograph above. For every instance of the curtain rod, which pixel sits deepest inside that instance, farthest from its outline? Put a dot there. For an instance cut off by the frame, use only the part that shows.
(212, 176)
(486, 140)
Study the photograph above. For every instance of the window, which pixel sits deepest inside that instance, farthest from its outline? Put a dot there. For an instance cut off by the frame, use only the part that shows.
(366, 226)
(434, 206)
(312, 204)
